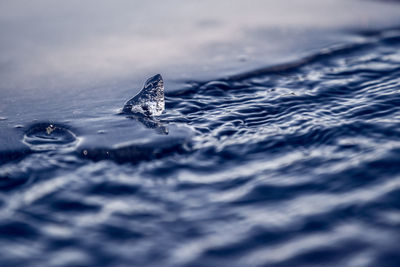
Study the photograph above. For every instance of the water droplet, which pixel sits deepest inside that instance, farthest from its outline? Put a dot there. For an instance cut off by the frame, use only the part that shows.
(45, 136)
(50, 129)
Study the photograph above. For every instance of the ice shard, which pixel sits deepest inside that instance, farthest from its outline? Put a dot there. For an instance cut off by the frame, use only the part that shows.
(150, 100)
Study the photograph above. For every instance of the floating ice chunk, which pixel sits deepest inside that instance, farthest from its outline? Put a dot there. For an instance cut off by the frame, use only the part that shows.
(150, 100)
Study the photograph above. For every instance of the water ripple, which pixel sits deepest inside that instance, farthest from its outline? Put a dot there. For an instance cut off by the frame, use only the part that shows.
(293, 165)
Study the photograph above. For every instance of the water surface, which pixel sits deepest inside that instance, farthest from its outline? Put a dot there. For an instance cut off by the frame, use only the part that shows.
(294, 163)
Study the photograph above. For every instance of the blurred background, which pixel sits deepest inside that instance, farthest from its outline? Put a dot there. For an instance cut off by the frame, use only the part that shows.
(74, 44)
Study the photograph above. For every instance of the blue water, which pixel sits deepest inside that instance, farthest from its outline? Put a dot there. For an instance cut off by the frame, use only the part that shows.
(292, 165)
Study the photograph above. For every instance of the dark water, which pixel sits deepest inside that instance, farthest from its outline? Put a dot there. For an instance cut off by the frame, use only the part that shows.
(294, 165)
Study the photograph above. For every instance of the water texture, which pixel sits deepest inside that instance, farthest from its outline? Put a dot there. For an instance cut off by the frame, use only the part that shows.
(293, 165)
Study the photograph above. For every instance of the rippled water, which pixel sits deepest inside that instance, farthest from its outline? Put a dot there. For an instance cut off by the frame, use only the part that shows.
(293, 165)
